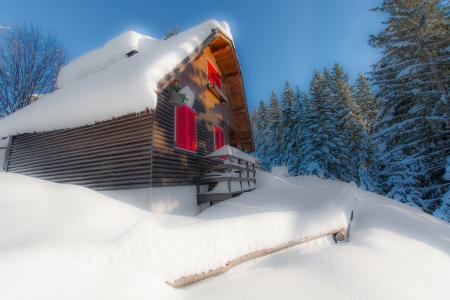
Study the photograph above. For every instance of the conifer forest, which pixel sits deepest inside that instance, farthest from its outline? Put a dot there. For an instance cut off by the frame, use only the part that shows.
(389, 130)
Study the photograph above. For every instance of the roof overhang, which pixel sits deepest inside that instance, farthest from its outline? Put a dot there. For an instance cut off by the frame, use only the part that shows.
(225, 54)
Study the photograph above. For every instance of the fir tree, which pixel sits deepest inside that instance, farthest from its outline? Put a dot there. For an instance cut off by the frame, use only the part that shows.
(287, 124)
(349, 133)
(261, 127)
(320, 144)
(413, 81)
(273, 134)
(369, 108)
(299, 128)
(369, 105)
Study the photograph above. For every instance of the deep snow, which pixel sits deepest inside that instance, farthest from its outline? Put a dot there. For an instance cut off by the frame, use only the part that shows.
(63, 241)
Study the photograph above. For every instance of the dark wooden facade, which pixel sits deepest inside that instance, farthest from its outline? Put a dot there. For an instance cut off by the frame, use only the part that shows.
(138, 150)
(109, 155)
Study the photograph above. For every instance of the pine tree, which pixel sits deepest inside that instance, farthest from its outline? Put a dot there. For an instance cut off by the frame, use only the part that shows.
(349, 126)
(320, 145)
(413, 81)
(369, 105)
(369, 108)
(260, 134)
(273, 134)
(287, 124)
(298, 124)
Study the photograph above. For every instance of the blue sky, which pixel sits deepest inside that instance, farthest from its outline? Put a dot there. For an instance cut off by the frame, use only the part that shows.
(275, 41)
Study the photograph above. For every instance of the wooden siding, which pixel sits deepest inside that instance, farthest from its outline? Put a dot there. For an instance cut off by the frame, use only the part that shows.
(172, 166)
(108, 155)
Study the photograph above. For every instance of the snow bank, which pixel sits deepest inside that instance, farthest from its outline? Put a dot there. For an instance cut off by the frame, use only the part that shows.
(63, 241)
(280, 171)
(228, 150)
(105, 83)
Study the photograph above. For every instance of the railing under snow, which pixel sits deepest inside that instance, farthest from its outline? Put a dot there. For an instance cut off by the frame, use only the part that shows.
(236, 176)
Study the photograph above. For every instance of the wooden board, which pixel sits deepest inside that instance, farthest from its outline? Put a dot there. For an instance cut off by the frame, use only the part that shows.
(114, 154)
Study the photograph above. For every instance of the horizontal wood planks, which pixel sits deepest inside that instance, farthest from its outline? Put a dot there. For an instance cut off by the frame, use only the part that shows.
(114, 154)
(172, 166)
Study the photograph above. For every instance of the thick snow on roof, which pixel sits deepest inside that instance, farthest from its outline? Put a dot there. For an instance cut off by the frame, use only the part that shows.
(68, 242)
(228, 150)
(105, 83)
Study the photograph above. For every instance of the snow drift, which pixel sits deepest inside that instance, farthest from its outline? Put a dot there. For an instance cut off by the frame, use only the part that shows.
(63, 241)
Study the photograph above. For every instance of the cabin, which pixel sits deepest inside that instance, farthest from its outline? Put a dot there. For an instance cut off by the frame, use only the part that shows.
(111, 125)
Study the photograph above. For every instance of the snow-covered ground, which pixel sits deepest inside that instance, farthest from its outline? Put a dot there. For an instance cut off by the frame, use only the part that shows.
(68, 242)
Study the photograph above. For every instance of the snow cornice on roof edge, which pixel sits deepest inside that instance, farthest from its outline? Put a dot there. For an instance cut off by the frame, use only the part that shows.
(115, 87)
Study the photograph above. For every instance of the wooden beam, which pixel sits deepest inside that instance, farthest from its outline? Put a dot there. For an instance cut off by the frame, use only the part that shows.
(218, 93)
(220, 50)
(232, 75)
(246, 141)
(242, 110)
(188, 280)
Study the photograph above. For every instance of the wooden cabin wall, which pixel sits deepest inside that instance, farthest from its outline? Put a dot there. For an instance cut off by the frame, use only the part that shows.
(172, 166)
(105, 156)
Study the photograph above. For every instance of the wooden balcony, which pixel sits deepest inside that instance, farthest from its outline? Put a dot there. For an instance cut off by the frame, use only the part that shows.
(238, 168)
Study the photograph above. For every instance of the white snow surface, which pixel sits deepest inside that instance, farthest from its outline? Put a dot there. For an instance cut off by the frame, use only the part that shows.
(68, 242)
(228, 150)
(104, 83)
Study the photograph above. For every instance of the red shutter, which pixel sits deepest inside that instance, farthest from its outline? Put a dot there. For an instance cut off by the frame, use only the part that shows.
(180, 127)
(222, 139)
(219, 139)
(216, 138)
(186, 128)
(213, 75)
(192, 130)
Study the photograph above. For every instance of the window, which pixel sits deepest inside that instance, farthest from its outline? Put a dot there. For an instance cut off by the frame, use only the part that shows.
(213, 75)
(185, 128)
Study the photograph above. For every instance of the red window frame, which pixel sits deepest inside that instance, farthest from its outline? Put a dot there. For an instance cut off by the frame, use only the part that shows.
(213, 75)
(185, 128)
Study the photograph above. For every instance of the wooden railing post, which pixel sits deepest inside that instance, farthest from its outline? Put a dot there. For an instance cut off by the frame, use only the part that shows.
(197, 176)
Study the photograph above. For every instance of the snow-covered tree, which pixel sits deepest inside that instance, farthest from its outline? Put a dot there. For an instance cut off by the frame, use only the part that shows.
(299, 129)
(273, 134)
(413, 83)
(369, 107)
(287, 124)
(322, 140)
(350, 131)
(261, 127)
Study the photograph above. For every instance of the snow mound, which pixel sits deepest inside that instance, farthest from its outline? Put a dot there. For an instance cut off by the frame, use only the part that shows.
(280, 171)
(68, 242)
(105, 83)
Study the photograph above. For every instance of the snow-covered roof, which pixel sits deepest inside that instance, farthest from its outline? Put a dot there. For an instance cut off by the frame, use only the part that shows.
(104, 83)
(228, 150)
